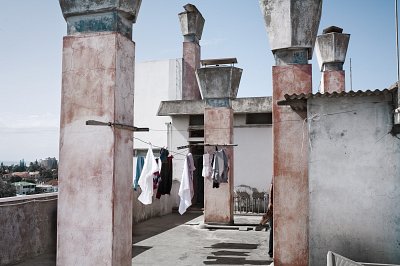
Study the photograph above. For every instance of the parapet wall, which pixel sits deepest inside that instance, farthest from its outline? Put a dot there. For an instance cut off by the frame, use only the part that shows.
(29, 223)
(28, 227)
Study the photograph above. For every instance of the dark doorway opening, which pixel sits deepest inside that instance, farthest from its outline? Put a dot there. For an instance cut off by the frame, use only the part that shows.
(198, 179)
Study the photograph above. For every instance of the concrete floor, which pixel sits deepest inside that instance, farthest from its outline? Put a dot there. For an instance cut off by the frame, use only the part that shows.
(184, 240)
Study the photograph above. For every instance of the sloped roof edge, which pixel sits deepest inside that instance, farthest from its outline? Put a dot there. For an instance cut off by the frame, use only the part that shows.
(307, 96)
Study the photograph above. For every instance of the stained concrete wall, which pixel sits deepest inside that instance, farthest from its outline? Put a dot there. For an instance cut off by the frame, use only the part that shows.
(28, 227)
(354, 179)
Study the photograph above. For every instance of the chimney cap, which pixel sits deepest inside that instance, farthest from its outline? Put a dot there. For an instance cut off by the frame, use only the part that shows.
(332, 29)
(190, 8)
(219, 61)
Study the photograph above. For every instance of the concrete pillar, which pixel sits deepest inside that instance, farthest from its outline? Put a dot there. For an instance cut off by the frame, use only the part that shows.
(95, 169)
(192, 23)
(218, 86)
(331, 49)
(292, 27)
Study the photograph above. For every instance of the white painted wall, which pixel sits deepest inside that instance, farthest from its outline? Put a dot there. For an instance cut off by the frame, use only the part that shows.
(179, 136)
(155, 81)
(253, 157)
(354, 180)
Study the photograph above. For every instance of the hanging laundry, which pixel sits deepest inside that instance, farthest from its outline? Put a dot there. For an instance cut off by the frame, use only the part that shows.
(139, 168)
(186, 188)
(207, 168)
(146, 178)
(156, 175)
(165, 185)
(220, 168)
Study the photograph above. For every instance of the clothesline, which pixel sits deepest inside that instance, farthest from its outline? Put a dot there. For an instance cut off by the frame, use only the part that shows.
(152, 174)
(206, 145)
(149, 143)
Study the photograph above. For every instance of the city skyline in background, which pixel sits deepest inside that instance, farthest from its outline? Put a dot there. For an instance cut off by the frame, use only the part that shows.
(31, 50)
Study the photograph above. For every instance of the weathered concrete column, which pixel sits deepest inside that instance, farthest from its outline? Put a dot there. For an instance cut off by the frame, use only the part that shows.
(331, 49)
(292, 27)
(218, 85)
(192, 23)
(95, 170)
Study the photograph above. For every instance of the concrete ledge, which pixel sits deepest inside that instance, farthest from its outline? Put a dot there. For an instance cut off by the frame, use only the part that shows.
(196, 107)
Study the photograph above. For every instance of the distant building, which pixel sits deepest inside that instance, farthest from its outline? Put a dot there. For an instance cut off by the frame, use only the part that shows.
(24, 188)
(45, 188)
(34, 175)
(48, 163)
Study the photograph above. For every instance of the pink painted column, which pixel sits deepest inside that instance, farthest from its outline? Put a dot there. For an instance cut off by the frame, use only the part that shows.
(331, 49)
(290, 169)
(192, 23)
(219, 84)
(218, 202)
(333, 81)
(95, 170)
(292, 26)
(191, 62)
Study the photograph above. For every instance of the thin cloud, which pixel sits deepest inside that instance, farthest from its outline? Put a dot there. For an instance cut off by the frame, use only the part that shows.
(212, 42)
(15, 123)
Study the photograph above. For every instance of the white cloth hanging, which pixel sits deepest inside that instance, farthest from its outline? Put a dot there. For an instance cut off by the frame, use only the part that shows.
(186, 188)
(146, 178)
(207, 169)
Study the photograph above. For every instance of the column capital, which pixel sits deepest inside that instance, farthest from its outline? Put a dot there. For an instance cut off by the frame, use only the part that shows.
(100, 16)
(331, 48)
(219, 84)
(291, 25)
(192, 23)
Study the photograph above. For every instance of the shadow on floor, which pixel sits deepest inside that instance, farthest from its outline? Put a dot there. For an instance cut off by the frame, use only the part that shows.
(155, 226)
(227, 256)
(158, 225)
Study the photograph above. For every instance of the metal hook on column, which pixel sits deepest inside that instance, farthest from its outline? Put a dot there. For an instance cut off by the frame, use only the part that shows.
(117, 125)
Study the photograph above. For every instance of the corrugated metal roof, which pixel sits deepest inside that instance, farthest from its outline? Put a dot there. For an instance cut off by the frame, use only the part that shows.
(298, 102)
(307, 96)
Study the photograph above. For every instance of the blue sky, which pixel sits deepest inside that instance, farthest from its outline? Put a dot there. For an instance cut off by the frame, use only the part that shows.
(31, 45)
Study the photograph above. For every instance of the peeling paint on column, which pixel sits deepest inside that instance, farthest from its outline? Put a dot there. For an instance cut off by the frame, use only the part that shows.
(290, 140)
(191, 62)
(218, 202)
(219, 85)
(95, 170)
(333, 81)
(192, 23)
(292, 26)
